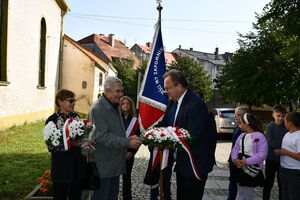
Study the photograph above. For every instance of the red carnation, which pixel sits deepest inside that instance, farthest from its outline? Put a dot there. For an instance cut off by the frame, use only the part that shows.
(162, 135)
(256, 139)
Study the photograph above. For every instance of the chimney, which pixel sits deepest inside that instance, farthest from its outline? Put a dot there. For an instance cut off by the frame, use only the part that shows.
(179, 46)
(217, 53)
(111, 39)
(148, 44)
(191, 49)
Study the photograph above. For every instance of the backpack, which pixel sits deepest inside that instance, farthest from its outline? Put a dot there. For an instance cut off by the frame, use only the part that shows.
(212, 131)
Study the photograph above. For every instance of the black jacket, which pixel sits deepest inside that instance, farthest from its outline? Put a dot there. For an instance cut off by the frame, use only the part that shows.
(66, 166)
(192, 116)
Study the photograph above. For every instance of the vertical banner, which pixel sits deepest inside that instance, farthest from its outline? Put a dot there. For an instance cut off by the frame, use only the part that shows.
(152, 99)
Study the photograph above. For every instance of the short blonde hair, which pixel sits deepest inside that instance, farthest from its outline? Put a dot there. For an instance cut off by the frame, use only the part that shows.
(243, 108)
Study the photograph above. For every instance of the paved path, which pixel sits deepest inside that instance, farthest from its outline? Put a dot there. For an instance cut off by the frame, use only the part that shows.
(216, 186)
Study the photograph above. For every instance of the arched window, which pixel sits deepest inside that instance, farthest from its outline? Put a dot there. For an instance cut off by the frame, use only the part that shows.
(42, 64)
(3, 40)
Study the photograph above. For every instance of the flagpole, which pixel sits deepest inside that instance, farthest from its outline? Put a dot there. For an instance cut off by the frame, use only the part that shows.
(161, 175)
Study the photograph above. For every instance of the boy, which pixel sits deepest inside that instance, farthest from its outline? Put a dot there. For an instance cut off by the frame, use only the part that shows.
(275, 133)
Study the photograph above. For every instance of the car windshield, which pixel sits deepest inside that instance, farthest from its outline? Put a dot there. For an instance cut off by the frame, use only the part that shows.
(228, 114)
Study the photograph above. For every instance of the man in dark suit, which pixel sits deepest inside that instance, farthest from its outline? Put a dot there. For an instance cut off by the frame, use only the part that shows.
(186, 110)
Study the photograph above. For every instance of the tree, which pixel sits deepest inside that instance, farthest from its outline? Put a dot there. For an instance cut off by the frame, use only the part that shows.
(265, 69)
(196, 76)
(128, 75)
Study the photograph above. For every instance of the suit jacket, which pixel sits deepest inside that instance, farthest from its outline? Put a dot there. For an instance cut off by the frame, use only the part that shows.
(192, 116)
(110, 138)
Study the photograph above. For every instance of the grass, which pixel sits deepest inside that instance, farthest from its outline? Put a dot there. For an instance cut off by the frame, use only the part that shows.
(23, 158)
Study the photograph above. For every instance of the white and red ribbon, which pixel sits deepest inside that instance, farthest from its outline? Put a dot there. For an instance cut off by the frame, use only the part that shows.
(189, 152)
(157, 158)
(66, 134)
(133, 126)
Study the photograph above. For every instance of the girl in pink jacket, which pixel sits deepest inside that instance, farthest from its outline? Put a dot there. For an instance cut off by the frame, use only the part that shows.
(248, 155)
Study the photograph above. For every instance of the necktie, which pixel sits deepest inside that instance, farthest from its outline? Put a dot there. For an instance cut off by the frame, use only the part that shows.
(173, 109)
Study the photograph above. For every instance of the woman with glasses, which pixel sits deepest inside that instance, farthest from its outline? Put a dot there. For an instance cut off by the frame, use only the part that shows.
(238, 114)
(66, 165)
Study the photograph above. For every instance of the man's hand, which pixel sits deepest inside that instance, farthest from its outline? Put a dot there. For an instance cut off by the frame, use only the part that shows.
(134, 142)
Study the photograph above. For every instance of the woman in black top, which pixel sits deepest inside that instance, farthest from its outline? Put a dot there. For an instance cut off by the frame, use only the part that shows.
(66, 165)
(128, 114)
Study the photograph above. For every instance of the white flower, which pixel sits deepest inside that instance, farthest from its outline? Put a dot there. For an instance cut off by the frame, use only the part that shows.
(55, 142)
(51, 133)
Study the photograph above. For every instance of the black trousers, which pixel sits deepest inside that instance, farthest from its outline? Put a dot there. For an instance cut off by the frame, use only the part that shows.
(127, 179)
(189, 188)
(232, 189)
(290, 179)
(66, 191)
(272, 167)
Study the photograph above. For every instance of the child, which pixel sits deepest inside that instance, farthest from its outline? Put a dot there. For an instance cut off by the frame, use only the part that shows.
(248, 154)
(275, 133)
(289, 153)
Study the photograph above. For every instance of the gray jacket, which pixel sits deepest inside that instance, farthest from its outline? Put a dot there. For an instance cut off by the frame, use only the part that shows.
(110, 138)
(275, 134)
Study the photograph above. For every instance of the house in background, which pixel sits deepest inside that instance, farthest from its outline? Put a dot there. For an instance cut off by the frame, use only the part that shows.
(109, 48)
(84, 73)
(31, 34)
(211, 62)
(143, 52)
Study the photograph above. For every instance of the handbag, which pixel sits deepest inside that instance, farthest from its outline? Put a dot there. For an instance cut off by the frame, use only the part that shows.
(91, 180)
(251, 170)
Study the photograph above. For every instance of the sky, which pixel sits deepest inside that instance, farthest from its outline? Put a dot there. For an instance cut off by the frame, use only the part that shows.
(199, 24)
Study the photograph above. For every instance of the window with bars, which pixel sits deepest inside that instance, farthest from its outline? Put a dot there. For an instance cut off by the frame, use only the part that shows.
(42, 62)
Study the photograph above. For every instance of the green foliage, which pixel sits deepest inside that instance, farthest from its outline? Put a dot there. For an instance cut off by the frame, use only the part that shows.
(196, 76)
(128, 75)
(23, 158)
(266, 68)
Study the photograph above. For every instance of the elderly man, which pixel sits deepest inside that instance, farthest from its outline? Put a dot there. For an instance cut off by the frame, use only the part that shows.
(111, 141)
(186, 110)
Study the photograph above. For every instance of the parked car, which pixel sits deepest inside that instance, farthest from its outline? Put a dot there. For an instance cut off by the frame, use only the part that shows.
(224, 120)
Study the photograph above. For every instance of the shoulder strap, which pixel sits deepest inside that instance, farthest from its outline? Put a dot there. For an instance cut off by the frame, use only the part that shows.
(243, 145)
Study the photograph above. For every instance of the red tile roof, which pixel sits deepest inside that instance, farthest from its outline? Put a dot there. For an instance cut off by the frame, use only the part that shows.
(119, 50)
(145, 49)
(79, 46)
(170, 58)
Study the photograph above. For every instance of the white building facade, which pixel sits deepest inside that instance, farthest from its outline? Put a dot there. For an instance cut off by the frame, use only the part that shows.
(30, 59)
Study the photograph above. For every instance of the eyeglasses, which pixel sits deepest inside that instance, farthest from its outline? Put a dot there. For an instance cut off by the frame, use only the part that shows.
(168, 88)
(71, 100)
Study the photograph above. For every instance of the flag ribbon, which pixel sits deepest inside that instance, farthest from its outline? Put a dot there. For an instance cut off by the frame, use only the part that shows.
(66, 134)
(133, 126)
(157, 158)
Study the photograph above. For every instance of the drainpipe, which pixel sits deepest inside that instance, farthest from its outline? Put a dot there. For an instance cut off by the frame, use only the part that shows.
(61, 51)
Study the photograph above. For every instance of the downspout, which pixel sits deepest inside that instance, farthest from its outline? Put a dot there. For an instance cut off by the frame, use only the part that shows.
(61, 51)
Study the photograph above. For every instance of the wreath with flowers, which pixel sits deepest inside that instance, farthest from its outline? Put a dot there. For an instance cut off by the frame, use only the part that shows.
(165, 137)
